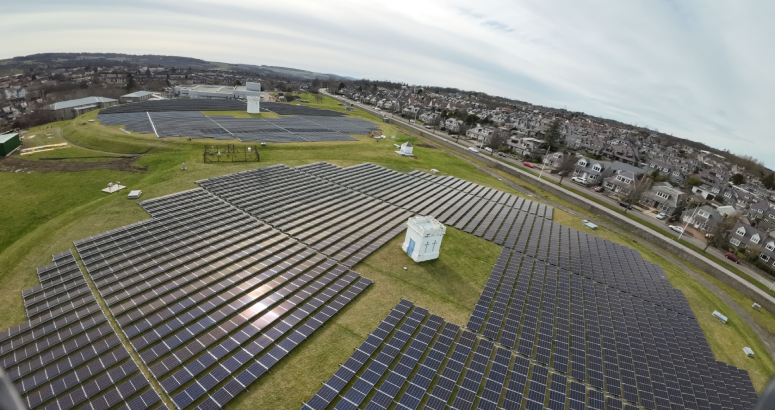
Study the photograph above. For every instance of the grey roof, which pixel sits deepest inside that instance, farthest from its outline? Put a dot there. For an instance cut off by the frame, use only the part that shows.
(137, 94)
(76, 103)
(621, 166)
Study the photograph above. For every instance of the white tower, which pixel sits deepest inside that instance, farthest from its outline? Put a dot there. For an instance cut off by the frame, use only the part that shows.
(254, 105)
(423, 238)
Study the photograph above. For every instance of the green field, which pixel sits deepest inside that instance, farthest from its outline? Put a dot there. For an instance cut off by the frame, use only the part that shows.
(46, 212)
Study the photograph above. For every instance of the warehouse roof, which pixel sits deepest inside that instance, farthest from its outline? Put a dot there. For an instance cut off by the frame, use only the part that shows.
(6, 137)
(78, 102)
(138, 94)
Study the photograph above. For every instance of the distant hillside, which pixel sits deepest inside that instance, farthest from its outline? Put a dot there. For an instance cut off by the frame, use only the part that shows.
(44, 60)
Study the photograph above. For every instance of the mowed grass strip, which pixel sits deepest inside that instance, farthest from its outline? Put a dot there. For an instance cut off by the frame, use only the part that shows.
(448, 286)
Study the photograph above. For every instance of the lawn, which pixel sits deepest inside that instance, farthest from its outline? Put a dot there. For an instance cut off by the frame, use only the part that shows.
(45, 213)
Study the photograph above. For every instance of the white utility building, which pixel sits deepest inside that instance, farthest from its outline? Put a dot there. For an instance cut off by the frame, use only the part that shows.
(423, 238)
(406, 149)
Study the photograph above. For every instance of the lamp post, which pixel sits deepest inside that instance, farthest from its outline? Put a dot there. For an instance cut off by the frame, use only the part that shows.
(542, 162)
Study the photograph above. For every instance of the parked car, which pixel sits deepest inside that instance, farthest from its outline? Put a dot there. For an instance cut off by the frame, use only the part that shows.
(731, 256)
(472, 149)
(599, 188)
(488, 149)
(661, 215)
(676, 228)
(589, 224)
(624, 204)
(579, 180)
(527, 164)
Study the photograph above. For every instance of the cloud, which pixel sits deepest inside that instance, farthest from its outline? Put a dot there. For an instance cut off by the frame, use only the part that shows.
(696, 69)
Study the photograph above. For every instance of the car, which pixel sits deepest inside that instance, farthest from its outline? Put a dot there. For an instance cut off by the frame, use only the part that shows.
(731, 256)
(661, 215)
(676, 228)
(411, 121)
(488, 149)
(527, 164)
(579, 180)
(589, 224)
(428, 126)
(599, 188)
(625, 205)
(472, 149)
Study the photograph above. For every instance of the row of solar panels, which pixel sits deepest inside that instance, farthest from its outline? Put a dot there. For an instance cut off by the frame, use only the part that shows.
(197, 125)
(613, 341)
(68, 355)
(194, 104)
(416, 360)
(211, 298)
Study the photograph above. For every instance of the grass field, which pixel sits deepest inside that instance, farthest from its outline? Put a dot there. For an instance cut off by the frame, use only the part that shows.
(45, 213)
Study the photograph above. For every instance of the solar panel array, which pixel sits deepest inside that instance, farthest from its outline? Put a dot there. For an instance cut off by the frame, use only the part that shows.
(473, 208)
(197, 125)
(210, 297)
(194, 104)
(594, 310)
(341, 223)
(67, 354)
(415, 359)
(292, 109)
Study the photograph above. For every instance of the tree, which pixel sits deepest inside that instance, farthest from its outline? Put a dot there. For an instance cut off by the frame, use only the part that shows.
(553, 134)
(655, 174)
(752, 253)
(769, 181)
(130, 82)
(566, 166)
(738, 179)
(693, 181)
(318, 98)
(718, 235)
(497, 140)
(315, 84)
(638, 189)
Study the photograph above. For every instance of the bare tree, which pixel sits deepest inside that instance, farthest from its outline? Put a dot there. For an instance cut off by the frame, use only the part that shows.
(718, 235)
(566, 166)
(496, 141)
(638, 189)
(318, 98)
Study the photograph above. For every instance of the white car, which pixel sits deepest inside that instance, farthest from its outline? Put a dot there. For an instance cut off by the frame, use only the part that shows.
(472, 149)
(661, 215)
(579, 180)
(676, 228)
(589, 225)
(488, 149)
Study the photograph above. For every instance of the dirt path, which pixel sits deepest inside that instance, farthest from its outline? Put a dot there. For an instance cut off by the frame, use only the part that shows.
(765, 337)
(14, 164)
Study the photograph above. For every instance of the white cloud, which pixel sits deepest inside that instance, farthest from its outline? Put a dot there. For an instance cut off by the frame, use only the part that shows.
(697, 69)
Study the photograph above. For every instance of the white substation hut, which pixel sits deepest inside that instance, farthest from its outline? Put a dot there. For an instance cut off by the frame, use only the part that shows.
(423, 238)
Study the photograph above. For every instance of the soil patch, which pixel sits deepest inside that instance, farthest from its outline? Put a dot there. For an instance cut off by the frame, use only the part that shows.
(11, 164)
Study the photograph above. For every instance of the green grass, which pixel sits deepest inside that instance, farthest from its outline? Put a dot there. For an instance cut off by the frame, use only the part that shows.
(45, 213)
(448, 287)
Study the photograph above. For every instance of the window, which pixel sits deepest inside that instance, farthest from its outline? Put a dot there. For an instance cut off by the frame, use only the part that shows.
(770, 246)
(734, 241)
(592, 177)
(706, 214)
(764, 257)
(583, 163)
(597, 168)
(755, 238)
(741, 231)
(663, 195)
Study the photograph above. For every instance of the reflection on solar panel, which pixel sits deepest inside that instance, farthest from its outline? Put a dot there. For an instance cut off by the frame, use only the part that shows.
(197, 125)
(210, 297)
(67, 354)
(293, 109)
(194, 104)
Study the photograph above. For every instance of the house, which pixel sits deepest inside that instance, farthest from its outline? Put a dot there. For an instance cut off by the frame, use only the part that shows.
(66, 110)
(452, 125)
(707, 191)
(760, 210)
(528, 146)
(665, 198)
(554, 159)
(592, 170)
(703, 218)
(621, 183)
(430, 118)
(481, 133)
(746, 236)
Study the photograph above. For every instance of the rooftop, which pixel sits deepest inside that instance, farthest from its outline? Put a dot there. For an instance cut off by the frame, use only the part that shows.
(138, 94)
(81, 101)
(6, 137)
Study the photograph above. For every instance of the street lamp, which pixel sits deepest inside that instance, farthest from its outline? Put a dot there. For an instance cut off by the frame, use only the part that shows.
(543, 165)
(687, 223)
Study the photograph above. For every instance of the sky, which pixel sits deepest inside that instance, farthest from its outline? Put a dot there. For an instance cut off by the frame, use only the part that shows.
(696, 69)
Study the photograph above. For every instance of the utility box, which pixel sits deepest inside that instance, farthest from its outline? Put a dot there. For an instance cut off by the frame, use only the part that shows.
(423, 238)
(748, 352)
(756, 306)
(719, 316)
(8, 143)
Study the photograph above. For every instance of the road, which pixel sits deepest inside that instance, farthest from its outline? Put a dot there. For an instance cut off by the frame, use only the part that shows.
(609, 214)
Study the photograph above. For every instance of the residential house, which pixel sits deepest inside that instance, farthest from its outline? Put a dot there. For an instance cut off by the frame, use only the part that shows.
(592, 170)
(453, 125)
(554, 159)
(430, 118)
(482, 133)
(527, 146)
(746, 236)
(621, 183)
(703, 218)
(665, 198)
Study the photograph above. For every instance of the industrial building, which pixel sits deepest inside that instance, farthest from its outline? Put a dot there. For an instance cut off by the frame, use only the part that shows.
(135, 97)
(218, 91)
(67, 110)
(8, 143)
